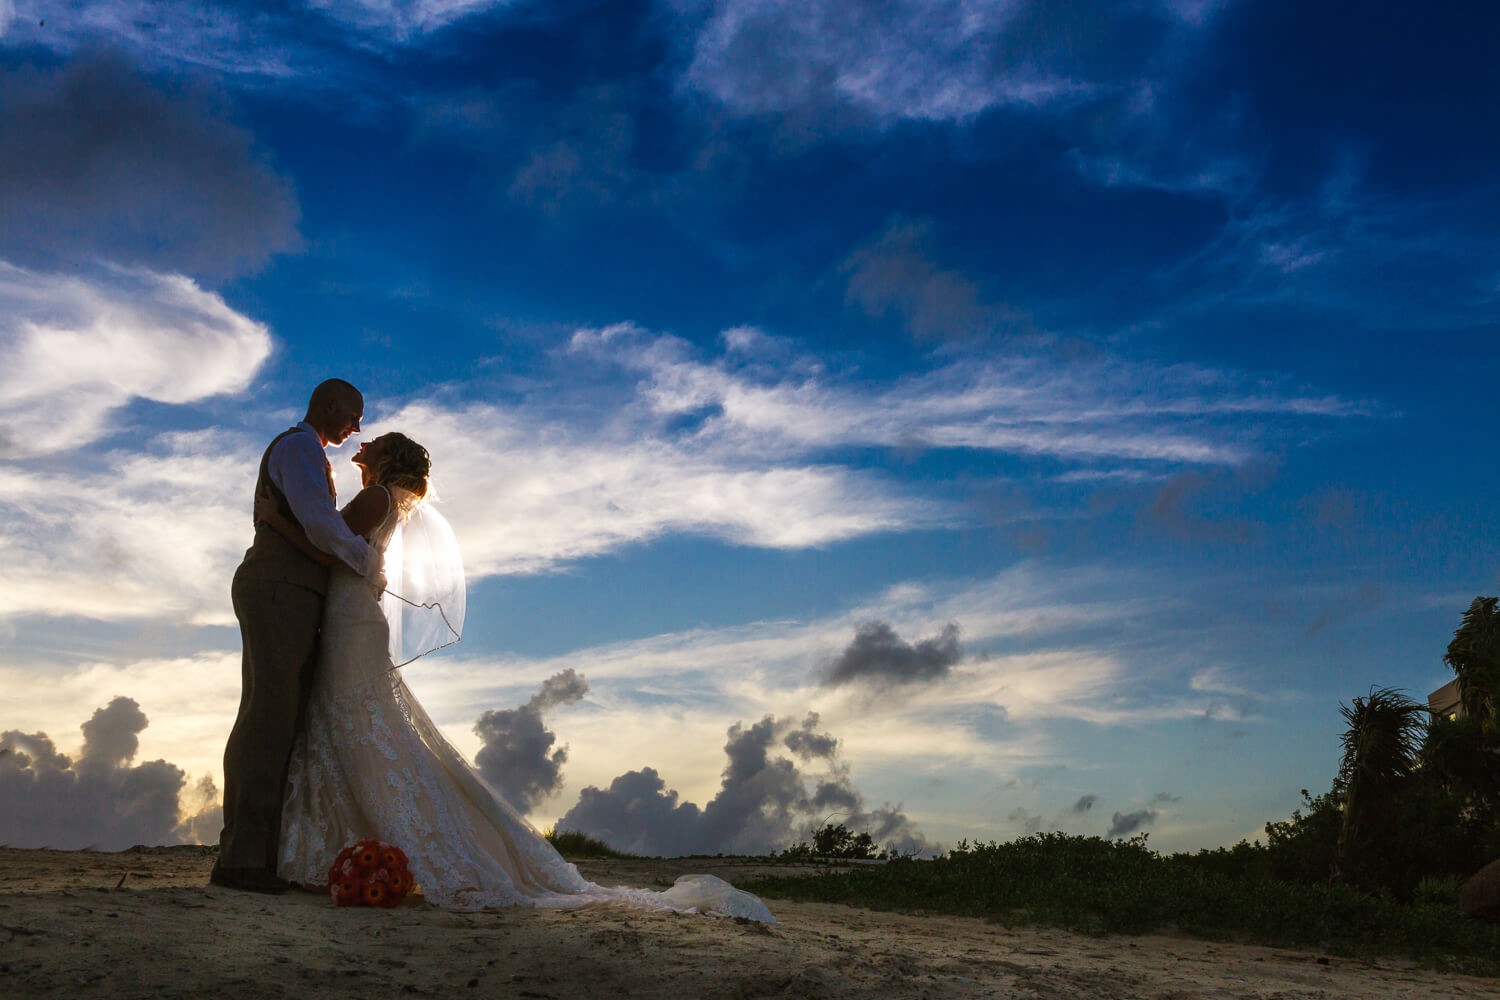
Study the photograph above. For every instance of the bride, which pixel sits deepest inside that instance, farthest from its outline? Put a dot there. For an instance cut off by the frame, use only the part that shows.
(370, 763)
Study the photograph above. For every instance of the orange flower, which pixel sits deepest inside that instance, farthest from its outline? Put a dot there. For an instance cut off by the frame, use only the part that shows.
(370, 873)
(347, 891)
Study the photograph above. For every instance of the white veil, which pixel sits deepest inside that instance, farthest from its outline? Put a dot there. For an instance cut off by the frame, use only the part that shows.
(424, 599)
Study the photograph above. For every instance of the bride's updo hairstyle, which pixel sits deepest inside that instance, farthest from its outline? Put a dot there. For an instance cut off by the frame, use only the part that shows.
(404, 463)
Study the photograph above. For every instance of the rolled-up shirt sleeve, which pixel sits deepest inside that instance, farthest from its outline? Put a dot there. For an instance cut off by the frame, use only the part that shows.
(299, 469)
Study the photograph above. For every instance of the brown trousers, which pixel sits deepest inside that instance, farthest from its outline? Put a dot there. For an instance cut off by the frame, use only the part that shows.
(279, 630)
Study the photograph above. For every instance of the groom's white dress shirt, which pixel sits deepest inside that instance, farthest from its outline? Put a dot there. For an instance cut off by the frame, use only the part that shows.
(300, 470)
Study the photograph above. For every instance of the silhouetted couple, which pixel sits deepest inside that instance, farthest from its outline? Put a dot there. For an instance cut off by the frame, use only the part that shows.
(330, 746)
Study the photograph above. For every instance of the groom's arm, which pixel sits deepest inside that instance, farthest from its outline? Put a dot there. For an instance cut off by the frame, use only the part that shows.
(300, 471)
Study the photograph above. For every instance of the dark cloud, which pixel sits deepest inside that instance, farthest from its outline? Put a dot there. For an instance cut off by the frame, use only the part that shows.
(895, 274)
(640, 814)
(586, 162)
(764, 801)
(100, 800)
(810, 745)
(835, 798)
(518, 758)
(1124, 824)
(879, 656)
(1337, 509)
(1191, 505)
(97, 162)
(1028, 822)
(1165, 797)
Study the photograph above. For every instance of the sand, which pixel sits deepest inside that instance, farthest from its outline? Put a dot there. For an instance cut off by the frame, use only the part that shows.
(146, 923)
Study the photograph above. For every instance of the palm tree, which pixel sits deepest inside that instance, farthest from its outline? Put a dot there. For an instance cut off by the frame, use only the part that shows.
(1457, 756)
(1380, 750)
(1474, 655)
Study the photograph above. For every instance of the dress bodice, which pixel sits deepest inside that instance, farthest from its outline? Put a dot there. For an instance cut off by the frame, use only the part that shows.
(355, 648)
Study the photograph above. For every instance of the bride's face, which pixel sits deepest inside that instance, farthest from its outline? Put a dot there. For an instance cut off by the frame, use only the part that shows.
(368, 458)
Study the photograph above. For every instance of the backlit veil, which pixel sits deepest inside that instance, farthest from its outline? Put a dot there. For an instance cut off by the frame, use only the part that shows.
(424, 599)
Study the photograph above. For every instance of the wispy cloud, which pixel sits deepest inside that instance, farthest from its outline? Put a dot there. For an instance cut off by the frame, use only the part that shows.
(664, 702)
(778, 667)
(908, 60)
(1327, 246)
(402, 20)
(1103, 407)
(151, 527)
(527, 495)
(227, 38)
(639, 437)
(265, 42)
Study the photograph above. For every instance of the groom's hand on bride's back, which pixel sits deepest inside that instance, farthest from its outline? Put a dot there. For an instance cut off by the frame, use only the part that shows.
(265, 507)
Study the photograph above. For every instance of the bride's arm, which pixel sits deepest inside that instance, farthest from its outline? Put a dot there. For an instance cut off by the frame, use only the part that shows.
(268, 512)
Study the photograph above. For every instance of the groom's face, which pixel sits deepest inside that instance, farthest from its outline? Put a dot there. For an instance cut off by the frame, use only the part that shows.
(344, 419)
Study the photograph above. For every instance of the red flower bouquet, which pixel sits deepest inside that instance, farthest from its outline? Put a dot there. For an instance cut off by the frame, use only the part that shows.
(369, 873)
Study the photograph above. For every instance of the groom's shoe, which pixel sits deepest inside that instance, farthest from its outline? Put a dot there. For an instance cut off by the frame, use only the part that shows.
(249, 880)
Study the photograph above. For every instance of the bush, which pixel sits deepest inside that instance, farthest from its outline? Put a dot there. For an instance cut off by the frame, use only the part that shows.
(836, 841)
(1096, 886)
(571, 844)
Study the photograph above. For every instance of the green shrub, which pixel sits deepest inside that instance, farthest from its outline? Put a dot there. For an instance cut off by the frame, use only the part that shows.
(836, 841)
(572, 845)
(1097, 886)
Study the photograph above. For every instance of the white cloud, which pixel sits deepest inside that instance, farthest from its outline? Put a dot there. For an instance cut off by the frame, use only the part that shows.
(525, 495)
(1103, 408)
(402, 19)
(749, 448)
(776, 667)
(666, 701)
(260, 45)
(153, 528)
(1195, 13)
(176, 32)
(74, 349)
(927, 60)
(151, 534)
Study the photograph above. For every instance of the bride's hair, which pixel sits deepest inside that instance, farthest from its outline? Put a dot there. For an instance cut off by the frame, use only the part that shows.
(405, 463)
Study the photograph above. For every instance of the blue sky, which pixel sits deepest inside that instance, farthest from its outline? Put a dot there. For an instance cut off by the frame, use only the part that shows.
(964, 419)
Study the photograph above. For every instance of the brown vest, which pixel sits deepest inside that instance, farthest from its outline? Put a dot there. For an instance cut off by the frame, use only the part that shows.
(271, 557)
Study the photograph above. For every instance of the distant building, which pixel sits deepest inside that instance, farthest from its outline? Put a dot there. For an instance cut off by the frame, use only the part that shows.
(1447, 701)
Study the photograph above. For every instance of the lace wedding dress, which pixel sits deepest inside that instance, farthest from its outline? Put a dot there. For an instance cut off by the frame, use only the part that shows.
(370, 763)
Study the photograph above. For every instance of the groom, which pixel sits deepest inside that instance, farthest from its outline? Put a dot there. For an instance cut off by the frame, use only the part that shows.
(278, 598)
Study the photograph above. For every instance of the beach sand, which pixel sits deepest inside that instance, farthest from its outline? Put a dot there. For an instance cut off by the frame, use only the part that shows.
(146, 923)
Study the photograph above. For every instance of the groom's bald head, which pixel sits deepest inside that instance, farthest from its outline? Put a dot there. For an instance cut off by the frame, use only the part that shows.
(334, 410)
